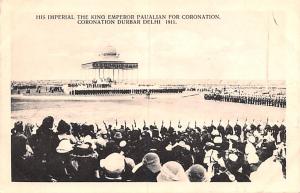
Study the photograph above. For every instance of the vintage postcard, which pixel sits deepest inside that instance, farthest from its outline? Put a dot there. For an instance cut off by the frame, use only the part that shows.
(144, 93)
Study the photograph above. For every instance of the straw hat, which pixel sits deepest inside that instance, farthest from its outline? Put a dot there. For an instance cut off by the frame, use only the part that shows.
(218, 140)
(64, 146)
(114, 164)
(172, 171)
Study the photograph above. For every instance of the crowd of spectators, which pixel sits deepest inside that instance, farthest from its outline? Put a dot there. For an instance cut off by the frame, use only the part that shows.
(221, 152)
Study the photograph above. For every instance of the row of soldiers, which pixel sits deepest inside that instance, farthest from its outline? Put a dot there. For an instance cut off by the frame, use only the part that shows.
(125, 91)
(255, 100)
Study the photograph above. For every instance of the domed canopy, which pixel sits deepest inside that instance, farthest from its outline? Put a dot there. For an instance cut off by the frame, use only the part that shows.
(109, 51)
(110, 60)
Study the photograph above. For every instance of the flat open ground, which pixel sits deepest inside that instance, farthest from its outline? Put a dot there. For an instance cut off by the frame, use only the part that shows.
(193, 108)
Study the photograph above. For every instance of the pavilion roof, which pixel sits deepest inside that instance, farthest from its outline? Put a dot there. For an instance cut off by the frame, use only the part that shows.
(110, 65)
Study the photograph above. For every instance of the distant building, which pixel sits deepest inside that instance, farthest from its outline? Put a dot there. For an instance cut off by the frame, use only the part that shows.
(110, 61)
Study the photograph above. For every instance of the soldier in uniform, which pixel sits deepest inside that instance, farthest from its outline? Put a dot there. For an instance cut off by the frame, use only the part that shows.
(221, 129)
(237, 129)
(229, 129)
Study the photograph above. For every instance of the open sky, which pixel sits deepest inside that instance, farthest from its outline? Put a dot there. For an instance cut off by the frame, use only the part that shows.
(233, 47)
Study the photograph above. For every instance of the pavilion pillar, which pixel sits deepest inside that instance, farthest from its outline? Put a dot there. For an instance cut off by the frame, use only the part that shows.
(118, 74)
(137, 75)
(113, 74)
(124, 75)
(128, 75)
(102, 71)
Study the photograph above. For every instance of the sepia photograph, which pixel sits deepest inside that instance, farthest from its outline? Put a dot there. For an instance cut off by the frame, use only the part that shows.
(148, 94)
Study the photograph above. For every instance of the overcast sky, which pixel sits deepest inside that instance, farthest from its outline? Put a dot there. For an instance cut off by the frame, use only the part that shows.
(234, 47)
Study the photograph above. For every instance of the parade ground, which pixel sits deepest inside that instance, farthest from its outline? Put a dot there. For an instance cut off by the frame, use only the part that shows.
(185, 109)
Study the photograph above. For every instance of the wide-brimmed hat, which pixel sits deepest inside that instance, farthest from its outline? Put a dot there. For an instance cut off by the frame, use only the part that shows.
(64, 146)
(114, 164)
(83, 146)
(196, 173)
(218, 140)
(152, 162)
(172, 171)
(233, 137)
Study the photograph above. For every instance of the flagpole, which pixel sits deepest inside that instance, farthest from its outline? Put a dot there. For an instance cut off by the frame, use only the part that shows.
(268, 48)
(267, 55)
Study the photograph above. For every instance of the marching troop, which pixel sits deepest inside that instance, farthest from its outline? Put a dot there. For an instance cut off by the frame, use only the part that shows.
(124, 91)
(255, 100)
(213, 152)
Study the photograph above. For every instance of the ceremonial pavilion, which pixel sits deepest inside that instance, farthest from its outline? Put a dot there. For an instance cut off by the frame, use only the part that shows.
(110, 62)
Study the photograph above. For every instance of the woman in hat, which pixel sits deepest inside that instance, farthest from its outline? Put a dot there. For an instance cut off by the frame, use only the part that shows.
(172, 172)
(148, 169)
(59, 166)
(64, 131)
(112, 168)
(197, 173)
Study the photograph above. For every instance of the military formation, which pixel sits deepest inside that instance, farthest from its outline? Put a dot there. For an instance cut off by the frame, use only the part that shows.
(124, 91)
(253, 100)
(223, 152)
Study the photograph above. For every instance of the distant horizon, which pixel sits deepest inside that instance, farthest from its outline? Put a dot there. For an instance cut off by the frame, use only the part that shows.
(191, 81)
